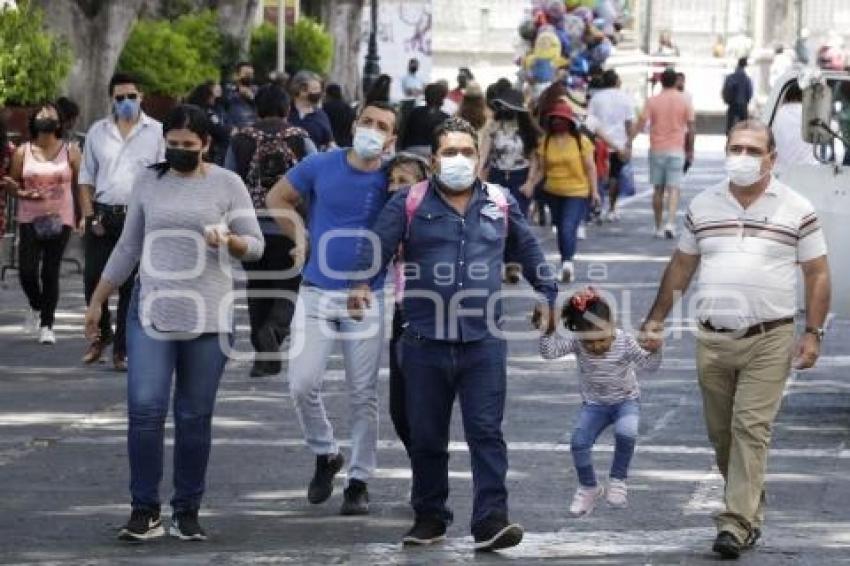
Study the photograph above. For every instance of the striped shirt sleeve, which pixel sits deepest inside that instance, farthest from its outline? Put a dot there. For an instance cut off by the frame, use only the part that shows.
(556, 345)
(688, 240)
(643, 359)
(811, 243)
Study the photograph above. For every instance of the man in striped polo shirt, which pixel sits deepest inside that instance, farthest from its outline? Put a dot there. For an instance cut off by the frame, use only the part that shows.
(747, 236)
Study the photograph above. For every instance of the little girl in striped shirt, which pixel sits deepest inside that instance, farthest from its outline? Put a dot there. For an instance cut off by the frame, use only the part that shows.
(607, 358)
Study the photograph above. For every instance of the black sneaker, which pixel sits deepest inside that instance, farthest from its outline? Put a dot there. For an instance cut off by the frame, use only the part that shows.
(322, 485)
(356, 499)
(266, 368)
(425, 530)
(185, 526)
(727, 546)
(144, 524)
(495, 533)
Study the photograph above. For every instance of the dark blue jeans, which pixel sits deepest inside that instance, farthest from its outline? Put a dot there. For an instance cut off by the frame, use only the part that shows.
(567, 214)
(152, 362)
(434, 372)
(512, 180)
(592, 420)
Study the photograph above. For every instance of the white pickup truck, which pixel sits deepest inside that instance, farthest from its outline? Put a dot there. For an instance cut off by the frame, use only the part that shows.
(825, 181)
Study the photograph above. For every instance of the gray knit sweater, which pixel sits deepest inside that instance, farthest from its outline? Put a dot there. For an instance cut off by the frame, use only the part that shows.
(186, 286)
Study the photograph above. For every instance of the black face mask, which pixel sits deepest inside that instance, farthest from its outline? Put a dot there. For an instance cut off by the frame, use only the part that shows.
(504, 115)
(46, 126)
(182, 160)
(412, 70)
(246, 81)
(314, 97)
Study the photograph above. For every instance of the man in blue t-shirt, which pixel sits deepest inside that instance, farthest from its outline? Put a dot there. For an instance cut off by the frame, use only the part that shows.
(345, 190)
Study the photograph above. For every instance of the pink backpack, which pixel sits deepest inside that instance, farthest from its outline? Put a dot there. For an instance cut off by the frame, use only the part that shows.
(418, 191)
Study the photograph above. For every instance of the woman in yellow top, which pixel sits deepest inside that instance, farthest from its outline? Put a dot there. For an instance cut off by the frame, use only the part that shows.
(565, 160)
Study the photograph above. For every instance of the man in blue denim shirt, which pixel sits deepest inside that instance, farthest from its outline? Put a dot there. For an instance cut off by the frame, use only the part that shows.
(453, 249)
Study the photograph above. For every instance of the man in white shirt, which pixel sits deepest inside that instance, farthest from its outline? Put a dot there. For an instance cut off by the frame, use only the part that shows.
(614, 110)
(748, 236)
(787, 127)
(116, 149)
(411, 85)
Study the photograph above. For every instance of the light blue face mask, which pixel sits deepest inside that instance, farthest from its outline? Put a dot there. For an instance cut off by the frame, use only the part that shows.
(127, 109)
(457, 173)
(368, 143)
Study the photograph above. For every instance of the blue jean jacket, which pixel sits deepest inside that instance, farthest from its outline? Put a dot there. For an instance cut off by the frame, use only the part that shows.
(453, 262)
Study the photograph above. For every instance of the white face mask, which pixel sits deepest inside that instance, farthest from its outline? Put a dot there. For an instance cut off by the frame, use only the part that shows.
(457, 173)
(744, 170)
(368, 143)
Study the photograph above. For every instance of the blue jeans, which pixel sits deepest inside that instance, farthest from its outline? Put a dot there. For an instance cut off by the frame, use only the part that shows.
(567, 214)
(152, 361)
(512, 180)
(592, 420)
(435, 372)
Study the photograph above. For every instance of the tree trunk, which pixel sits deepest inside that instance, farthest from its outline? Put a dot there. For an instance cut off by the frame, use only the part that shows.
(96, 30)
(236, 19)
(343, 23)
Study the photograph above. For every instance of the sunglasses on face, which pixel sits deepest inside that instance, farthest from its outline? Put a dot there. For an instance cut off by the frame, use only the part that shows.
(121, 97)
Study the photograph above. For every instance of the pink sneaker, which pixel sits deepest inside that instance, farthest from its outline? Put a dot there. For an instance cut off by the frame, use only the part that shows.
(585, 500)
(617, 494)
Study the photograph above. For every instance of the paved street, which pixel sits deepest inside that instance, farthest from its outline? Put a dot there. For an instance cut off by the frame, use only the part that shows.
(63, 466)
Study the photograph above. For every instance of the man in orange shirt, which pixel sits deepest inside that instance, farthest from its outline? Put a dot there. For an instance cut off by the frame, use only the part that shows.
(671, 142)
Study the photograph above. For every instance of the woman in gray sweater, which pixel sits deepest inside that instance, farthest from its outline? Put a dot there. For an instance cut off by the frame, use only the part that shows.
(188, 222)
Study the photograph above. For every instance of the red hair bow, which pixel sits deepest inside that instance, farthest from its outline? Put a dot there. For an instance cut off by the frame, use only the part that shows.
(583, 299)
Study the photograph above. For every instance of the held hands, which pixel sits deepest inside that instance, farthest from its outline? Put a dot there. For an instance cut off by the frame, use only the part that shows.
(543, 318)
(359, 301)
(807, 352)
(651, 335)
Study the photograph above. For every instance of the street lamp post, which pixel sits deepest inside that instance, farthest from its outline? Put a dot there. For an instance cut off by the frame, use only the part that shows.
(371, 69)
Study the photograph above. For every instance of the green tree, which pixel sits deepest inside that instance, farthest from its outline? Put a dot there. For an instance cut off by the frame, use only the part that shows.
(308, 47)
(33, 62)
(166, 61)
(201, 29)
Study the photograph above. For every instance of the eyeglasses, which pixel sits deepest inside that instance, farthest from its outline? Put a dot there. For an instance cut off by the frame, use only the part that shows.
(121, 97)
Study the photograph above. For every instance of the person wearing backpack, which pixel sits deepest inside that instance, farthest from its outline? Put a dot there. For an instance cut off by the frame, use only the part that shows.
(261, 154)
(455, 230)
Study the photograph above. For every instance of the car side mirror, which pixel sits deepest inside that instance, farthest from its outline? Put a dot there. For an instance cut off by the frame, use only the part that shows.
(817, 114)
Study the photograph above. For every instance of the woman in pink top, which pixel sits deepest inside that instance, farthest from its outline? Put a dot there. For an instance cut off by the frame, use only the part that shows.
(43, 177)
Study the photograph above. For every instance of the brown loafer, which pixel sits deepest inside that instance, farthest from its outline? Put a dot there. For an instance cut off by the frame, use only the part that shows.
(94, 353)
(119, 361)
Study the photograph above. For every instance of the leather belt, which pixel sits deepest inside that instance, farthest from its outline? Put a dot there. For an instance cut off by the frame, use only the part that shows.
(754, 330)
(114, 209)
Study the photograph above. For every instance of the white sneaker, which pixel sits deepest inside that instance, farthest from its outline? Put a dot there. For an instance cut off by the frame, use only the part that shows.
(46, 336)
(585, 500)
(612, 216)
(669, 231)
(568, 272)
(32, 322)
(659, 233)
(581, 233)
(617, 494)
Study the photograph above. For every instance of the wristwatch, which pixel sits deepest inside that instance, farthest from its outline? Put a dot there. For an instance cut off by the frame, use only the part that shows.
(818, 332)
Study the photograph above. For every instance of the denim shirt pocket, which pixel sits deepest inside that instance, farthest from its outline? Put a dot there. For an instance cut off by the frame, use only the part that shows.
(492, 224)
(428, 226)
